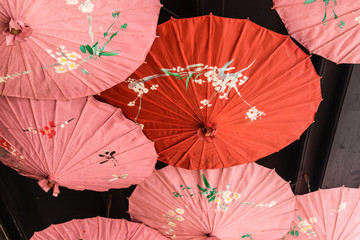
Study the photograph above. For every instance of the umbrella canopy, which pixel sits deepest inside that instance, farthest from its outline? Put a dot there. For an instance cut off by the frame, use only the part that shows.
(331, 214)
(70, 48)
(98, 228)
(217, 92)
(241, 202)
(329, 28)
(78, 144)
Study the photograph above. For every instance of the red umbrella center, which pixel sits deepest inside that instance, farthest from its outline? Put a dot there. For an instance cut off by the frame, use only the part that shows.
(207, 132)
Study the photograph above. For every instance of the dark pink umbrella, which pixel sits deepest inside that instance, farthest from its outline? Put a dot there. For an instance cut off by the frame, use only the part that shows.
(68, 49)
(79, 144)
(241, 202)
(327, 214)
(98, 228)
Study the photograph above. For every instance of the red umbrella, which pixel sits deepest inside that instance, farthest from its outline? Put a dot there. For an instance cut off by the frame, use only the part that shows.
(79, 144)
(98, 228)
(217, 92)
(67, 49)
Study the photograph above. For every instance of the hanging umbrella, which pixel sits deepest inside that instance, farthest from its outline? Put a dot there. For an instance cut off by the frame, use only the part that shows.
(98, 228)
(329, 28)
(327, 215)
(241, 202)
(217, 92)
(72, 48)
(79, 144)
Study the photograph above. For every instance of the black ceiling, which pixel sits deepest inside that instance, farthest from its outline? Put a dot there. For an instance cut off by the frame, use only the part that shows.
(25, 207)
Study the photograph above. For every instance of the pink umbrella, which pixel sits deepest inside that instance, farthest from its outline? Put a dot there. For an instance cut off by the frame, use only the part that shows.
(67, 49)
(329, 28)
(79, 144)
(331, 214)
(98, 228)
(241, 202)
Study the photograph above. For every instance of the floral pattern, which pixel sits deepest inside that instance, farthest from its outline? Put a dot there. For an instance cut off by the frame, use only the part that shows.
(306, 226)
(341, 24)
(173, 217)
(222, 199)
(68, 61)
(341, 207)
(116, 177)
(221, 79)
(49, 131)
(6, 148)
(109, 156)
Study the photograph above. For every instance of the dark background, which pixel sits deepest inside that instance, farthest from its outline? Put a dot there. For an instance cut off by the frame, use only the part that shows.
(328, 152)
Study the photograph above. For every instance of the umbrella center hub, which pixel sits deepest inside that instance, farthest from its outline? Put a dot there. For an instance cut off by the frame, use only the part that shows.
(207, 131)
(16, 30)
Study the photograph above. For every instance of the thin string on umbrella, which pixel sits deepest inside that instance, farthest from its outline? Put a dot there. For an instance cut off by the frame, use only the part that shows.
(171, 12)
(307, 182)
(108, 205)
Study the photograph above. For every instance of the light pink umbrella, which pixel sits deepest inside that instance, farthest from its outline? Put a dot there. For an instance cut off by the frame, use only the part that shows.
(241, 202)
(67, 49)
(98, 228)
(329, 28)
(79, 144)
(331, 214)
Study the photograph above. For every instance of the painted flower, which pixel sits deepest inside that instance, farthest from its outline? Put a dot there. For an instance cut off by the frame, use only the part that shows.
(227, 200)
(272, 203)
(171, 213)
(86, 7)
(313, 220)
(179, 218)
(172, 224)
(72, 2)
(254, 113)
(131, 104)
(204, 102)
(180, 211)
(62, 60)
(237, 196)
(357, 19)
(72, 65)
(212, 75)
(60, 69)
(154, 87)
(342, 206)
(226, 194)
(73, 56)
